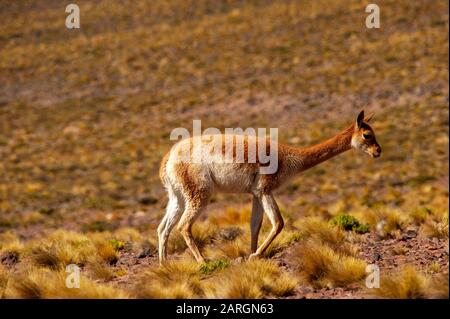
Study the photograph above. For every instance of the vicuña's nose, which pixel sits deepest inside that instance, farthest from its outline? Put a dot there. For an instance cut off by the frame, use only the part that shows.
(377, 151)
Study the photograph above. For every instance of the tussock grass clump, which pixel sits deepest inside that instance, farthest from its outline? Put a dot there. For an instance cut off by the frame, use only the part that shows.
(37, 283)
(419, 215)
(62, 248)
(386, 222)
(410, 284)
(4, 277)
(11, 245)
(99, 270)
(436, 226)
(251, 279)
(175, 279)
(230, 250)
(322, 266)
(315, 229)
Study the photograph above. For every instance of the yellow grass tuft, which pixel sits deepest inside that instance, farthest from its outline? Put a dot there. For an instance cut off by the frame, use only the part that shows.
(251, 279)
(99, 270)
(4, 277)
(175, 279)
(63, 247)
(386, 222)
(322, 266)
(436, 227)
(315, 229)
(37, 283)
(410, 284)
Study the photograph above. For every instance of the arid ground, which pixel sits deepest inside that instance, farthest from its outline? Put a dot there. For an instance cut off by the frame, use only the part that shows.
(85, 119)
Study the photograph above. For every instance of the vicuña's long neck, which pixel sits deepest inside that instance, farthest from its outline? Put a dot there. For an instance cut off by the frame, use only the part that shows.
(304, 158)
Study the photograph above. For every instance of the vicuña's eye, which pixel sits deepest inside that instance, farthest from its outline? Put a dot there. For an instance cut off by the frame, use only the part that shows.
(367, 136)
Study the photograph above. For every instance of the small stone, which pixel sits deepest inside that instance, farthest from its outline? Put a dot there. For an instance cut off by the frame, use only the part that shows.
(352, 287)
(9, 258)
(409, 234)
(147, 249)
(230, 234)
(376, 256)
(147, 200)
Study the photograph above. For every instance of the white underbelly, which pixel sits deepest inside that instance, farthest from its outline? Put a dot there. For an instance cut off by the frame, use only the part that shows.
(228, 179)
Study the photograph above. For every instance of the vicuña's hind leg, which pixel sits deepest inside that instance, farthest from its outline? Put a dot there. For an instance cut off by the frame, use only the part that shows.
(255, 223)
(271, 209)
(174, 210)
(190, 214)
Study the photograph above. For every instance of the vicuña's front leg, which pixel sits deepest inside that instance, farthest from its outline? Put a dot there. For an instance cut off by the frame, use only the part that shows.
(255, 223)
(270, 207)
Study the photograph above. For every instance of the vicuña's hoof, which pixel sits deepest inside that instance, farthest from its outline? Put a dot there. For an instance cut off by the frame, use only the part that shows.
(253, 256)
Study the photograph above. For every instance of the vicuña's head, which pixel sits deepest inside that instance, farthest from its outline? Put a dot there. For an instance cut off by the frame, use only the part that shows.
(364, 137)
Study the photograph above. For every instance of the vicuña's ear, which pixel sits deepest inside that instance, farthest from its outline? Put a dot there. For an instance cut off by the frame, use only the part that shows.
(360, 119)
(367, 119)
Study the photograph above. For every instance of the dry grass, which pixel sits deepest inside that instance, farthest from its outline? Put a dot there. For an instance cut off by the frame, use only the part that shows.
(251, 279)
(36, 283)
(96, 109)
(99, 270)
(410, 284)
(436, 226)
(386, 222)
(176, 279)
(4, 278)
(322, 266)
(62, 248)
(317, 230)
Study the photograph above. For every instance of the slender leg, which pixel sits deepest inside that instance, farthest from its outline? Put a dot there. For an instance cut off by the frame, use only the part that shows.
(190, 214)
(256, 221)
(271, 209)
(173, 214)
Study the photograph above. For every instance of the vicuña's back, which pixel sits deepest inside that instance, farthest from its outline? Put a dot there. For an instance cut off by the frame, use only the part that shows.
(197, 167)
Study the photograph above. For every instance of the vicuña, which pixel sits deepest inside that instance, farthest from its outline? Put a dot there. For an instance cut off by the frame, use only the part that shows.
(190, 185)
